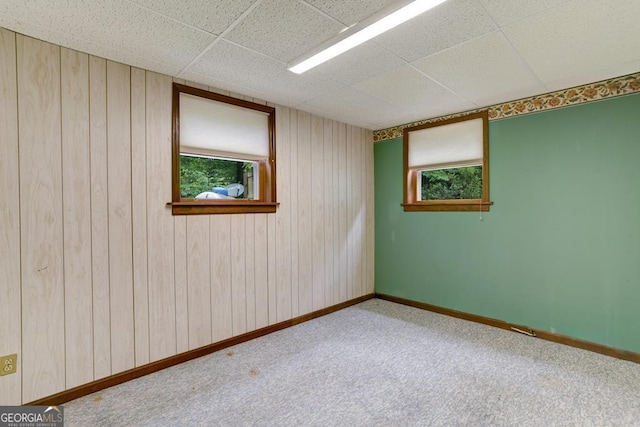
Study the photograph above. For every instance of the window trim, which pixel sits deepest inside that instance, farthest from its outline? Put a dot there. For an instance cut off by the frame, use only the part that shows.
(266, 201)
(410, 177)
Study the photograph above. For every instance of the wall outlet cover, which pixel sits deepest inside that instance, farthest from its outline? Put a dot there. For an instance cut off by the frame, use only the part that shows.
(8, 364)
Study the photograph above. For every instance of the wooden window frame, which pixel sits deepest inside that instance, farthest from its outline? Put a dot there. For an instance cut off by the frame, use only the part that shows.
(266, 201)
(410, 177)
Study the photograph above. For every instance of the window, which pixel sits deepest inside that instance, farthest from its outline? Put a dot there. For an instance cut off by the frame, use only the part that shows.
(446, 165)
(223, 154)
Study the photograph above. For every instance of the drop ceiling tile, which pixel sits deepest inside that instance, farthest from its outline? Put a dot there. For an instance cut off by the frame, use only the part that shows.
(125, 57)
(226, 61)
(352, 11)
(352, 106)
(211, 16)
(217, 85)
(610, 71)
(505, 12)
(579, 38)
(87, 46)
(284, 29)
(447, 25)
(564, 42)
(331, 114)
(118, 24)
(485, 71)
(288, 98)
(408, 88)
(290, 89)
(360, 63)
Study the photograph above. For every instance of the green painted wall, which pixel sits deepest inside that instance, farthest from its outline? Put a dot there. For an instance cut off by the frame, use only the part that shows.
(560, 249)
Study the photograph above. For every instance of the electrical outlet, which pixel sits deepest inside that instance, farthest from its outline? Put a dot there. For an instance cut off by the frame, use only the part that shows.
(8, 364)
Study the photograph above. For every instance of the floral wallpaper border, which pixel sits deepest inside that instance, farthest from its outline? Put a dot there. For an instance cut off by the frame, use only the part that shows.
(591, 92)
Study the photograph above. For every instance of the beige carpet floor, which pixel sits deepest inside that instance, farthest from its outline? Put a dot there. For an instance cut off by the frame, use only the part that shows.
(378, 364)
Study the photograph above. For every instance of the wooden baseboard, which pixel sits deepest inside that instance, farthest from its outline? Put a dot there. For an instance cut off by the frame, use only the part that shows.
(545, 335)
(85, 389)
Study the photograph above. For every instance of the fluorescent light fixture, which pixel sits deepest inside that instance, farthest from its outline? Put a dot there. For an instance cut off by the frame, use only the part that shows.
(358, 35)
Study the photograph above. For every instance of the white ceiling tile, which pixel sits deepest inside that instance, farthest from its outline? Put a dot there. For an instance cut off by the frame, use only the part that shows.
(284, 29)
(505, 12)
(360, 63)
(125, 57)
(118, 24)
(289, 89)
(406, 87)
(578, 38)
(352, 11)
(87, 46)
(361, 121)
(352, 106)
(449, 24)
(211, 16)
(227, 61)
(590, 76)
(486, 71)
(563, 42)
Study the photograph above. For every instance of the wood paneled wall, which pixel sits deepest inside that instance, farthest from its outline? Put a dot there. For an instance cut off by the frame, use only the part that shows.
(98, 277)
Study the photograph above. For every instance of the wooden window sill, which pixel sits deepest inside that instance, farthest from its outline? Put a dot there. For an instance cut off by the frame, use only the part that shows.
(191, 207)
(447, 206)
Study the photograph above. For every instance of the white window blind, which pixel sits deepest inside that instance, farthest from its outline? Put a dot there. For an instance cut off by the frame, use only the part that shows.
(213, 128)
(449, 146)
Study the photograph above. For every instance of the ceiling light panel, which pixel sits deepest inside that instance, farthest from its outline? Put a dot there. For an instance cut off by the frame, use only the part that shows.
(363, 32)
